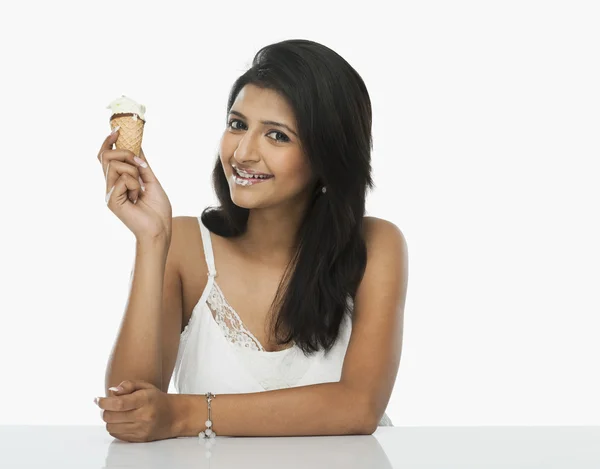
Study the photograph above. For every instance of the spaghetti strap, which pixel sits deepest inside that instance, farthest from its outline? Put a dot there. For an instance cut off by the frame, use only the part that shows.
(208, 250)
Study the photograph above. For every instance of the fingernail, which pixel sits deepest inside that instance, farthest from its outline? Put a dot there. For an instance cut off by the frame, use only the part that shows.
(107, 198)
(116, 388)
(140, 162)
(115, 129)
(96, 400)
(142, 183)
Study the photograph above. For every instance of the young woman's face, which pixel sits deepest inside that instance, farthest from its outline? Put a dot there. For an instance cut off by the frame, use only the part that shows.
(249, 144)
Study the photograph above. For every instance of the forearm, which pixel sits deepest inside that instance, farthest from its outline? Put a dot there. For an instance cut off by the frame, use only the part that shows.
(137, 350)
(319, 409)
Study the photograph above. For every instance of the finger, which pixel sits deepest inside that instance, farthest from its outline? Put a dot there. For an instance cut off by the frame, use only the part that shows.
(128, 437)
(115, 169)
(127, 156)
(120, 428)
(133, 195)
(117, 195)
(146, 172)
(118, 390)
(131, 385)
(125, 387)
(124, 156)
(107, 144)
(113, 416)
(122, 403)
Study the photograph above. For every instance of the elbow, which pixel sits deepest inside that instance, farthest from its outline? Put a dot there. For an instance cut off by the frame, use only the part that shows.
(369, 424)
(370, 419)
(366, 426)
(363, 417)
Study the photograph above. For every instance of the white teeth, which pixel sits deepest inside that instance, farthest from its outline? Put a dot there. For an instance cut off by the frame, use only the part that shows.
(247, 175)
(240, 181)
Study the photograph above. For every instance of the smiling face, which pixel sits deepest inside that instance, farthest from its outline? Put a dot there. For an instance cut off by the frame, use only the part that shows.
(251, 143)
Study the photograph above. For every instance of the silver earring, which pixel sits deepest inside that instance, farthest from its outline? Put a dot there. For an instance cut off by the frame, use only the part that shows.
(324, 189)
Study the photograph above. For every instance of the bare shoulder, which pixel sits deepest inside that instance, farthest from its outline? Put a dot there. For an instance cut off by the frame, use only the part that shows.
(387, 257)
(185, 225)
(186, 238)
(184, 229)
(383, 234)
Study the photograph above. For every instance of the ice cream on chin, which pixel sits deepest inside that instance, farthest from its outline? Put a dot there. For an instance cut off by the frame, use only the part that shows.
(130, 116)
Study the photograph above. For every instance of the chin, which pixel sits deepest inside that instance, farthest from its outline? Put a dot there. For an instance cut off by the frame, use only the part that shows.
(243, 200)
(248, 205)
(249, 201)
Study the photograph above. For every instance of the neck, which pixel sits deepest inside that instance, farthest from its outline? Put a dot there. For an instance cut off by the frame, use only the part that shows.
(271, 235)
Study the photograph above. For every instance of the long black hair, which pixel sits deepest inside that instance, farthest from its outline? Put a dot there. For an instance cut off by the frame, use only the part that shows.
(333, 115)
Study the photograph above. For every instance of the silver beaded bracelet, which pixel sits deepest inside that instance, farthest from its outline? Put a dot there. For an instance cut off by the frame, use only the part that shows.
(208, 433)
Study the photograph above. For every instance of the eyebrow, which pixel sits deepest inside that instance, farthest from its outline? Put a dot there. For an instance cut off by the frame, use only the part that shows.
(278, 124)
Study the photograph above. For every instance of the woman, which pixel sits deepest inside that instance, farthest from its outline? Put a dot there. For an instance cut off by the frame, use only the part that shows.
(302, 332)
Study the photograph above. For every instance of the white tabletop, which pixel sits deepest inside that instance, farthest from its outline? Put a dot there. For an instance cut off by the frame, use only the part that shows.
(389, 447)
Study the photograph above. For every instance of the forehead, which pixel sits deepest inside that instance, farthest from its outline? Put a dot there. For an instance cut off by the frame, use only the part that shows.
(264, 103)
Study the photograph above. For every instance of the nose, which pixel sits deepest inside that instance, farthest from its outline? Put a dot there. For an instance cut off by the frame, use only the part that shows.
(247, 149)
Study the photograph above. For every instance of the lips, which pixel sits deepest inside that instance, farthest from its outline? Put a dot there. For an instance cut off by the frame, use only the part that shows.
(235, 170)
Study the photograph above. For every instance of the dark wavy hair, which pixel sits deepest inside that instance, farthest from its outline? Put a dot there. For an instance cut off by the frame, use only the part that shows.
(333, 115)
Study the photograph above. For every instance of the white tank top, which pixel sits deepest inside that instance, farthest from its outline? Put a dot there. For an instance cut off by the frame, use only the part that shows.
(218, 354)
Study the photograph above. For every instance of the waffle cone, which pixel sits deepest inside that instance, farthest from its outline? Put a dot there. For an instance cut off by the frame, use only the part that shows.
(130, 133)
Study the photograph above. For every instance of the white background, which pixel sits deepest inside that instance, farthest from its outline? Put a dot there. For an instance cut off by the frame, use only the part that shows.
(485, 127)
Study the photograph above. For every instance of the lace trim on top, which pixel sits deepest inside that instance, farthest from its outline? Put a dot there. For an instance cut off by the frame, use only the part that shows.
(230, 322)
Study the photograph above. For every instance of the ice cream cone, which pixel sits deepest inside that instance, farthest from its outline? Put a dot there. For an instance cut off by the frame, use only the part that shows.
(131, 132)
(129, 116)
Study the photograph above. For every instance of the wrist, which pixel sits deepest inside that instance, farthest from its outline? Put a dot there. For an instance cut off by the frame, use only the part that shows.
(159, 241)
(157, 245)
(188, 414)
(178, 412)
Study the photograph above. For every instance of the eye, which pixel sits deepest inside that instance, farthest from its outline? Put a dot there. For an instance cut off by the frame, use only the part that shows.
(284, 138)
(232, 121)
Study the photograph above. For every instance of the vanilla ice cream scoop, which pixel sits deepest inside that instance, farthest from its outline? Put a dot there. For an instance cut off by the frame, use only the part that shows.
(125, 105)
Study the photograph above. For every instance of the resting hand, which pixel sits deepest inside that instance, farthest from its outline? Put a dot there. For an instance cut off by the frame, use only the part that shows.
(139, 413)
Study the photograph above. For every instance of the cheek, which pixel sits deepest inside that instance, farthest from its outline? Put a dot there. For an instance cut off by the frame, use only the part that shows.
(297, 170)
(226, 149)
(224, 146)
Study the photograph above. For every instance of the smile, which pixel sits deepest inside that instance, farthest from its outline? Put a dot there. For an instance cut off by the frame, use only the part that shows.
(248, 181)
